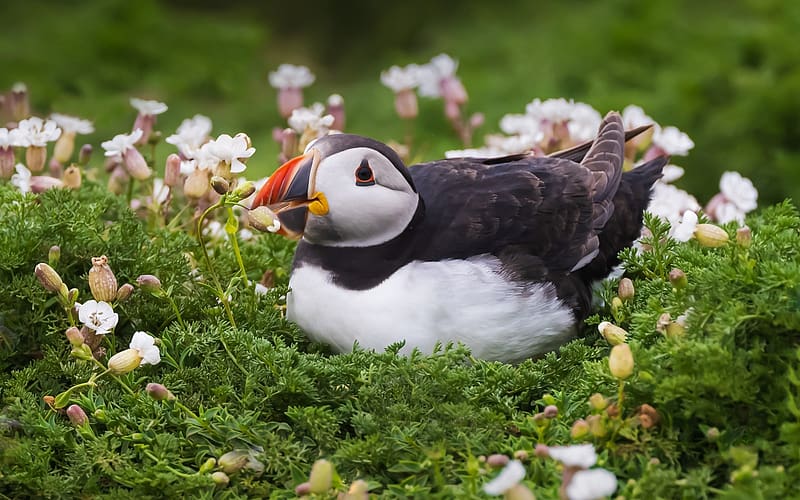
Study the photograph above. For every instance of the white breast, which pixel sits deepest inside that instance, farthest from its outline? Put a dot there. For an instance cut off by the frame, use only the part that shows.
(428, 302)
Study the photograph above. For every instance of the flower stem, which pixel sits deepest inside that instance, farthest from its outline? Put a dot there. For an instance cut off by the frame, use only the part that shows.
(220, 292)
(177, 311)
(235, 244)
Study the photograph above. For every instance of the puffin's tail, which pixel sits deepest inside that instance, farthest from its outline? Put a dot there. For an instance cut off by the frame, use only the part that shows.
(625, 224)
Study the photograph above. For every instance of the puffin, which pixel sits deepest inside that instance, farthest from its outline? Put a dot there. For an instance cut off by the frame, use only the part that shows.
(499, 254)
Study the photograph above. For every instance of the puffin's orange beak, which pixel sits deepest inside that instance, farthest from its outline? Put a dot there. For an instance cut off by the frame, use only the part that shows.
(290, 194)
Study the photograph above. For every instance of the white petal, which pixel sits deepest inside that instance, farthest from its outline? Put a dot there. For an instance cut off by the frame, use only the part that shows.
(86, 310)
(684, 230)
(579, 455)
(591, 484)
(150, 355)
(141, 341)
(510, 476)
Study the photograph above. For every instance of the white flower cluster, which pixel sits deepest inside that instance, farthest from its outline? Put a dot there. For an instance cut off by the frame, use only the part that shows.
(427, 78)
(291, 76)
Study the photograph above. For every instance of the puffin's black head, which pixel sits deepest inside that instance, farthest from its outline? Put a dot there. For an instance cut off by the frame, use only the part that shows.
(346, 190)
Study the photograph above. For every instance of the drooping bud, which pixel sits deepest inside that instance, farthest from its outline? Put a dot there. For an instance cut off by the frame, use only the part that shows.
(579, 430)
(77, 416)
(196, 184)
(102, 281)
(263, 219)
(124, 362)
(550, 411)
(149, 283)
(35, 158)
(207, 466)
(48, 277)
(625, 289)
(678, 279)
(220, 478)
(74, 336)
(744, 237)
(159, 392)
(244, 190)
(41, 183)
(72, 177)
(135, 164)
(613, 334)
(220, 184)
(172, 171)
(598, 402)
(620, 361)
(711, 236)
(85, 155)
(124, 292)
(321, 476)
(497, 460)
(54, 255)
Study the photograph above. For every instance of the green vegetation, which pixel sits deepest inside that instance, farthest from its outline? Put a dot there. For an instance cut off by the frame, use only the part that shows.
(724, 386)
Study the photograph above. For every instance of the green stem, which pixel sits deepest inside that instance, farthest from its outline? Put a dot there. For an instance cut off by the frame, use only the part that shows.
(169, 468)
(620, 397)
(130, 191)
(177, 311)
(235, 244)
(220, 292)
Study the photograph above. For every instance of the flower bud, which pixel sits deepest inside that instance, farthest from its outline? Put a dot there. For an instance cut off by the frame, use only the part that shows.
(54, 255)
(477, 120)
(124, 362)
(663, 320)
(678, 279)
(48, 277)
(220, 478)
(616, 305)
(65, 145)
(579, 430)
(35, 158)
(85, 155)
(158, 392)
(19, 102)
(497, 460)
(744, 237)
(336, 109)
(117, 180)
(541, 450)
(518, 492)
(7, 162)
(302, 489)
(521, 455)
(149, 283)
(74, 336)
(220, 185)
(711, 236)
(321, 476)
(597, 427)
(124, 292)
(263, 219)
(49, 400)
(233, 461)
(289, 99)
(77, 416)
(674, 330)
(100, 414)
(550, 411)
(612, 410)
(712, 434)
(405, 103)
(41, 183)
(359, 487)
(620, 361)
(135, 164)
(613, 334)
(72, 177)
(207, 466)
(598, 402)
(72, 295)
(102, 281)
(289, 143)
(196, 184)
(625, 289)
(648, 416)
(172, 171)
(244, 190)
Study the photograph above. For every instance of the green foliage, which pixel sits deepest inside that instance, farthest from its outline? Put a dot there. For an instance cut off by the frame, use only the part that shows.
(726, 386)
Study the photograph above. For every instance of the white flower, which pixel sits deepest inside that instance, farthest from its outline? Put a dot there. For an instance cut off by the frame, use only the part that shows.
(312, 118)
(591, 484)
(739, 191)
(684, 230)
(669, 202)
(552, 110)
(584, 121)
(146, 346)
(633, 116)
(672, 141)
(521, 124)
(671, 173)
(473, 153)
(581, 456)
(10, 138)
(261, 289)
(97, 316)
(147, 107)
(727, 211)
(510, 145)
(190, 135)
(397, 78)
(189, 166)
(430, 75)
(121, 143)
(37, 132)
(291, 76)
(72, 124)
(160, 191)
(509, 477)
(22, 179)
(230, 150)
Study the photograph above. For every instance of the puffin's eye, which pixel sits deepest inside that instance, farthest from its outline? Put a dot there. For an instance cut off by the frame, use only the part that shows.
(364, 175)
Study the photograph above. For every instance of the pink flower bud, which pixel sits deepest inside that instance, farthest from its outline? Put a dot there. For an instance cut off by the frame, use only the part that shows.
(149, 283)
(48, 277)
(541, 450)
(102, 281)
(551, 411)
(41, 183)
(220, 478)
(302, 489)
(453, 90)
(197, 184)
(135, 164)
(405, 103)
(85, 154)
(678, 278)
(144, 122)
(7, 162)
(35, 158)
(77, 416)
(19, 102)
(497, 460)
(452, 110)
(289, 99)
(124, 292)
(625, 291)
(159, 392)
(336, 109)
(172, 171)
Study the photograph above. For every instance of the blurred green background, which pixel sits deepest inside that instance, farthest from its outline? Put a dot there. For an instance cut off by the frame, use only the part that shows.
(725, 72)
